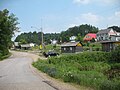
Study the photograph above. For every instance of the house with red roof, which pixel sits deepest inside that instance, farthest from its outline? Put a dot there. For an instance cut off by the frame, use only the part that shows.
(89, 37)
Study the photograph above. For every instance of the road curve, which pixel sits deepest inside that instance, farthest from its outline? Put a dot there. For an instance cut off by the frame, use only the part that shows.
(15, 74)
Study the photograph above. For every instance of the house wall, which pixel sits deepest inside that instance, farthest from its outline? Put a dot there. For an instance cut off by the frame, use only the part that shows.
(79, 49)
(68, 49)
(72, 49)
(105, 36)
(108, 47)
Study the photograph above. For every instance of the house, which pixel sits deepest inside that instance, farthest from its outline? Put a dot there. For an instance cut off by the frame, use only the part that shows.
(115, 38)
(32, 44)
(72, 38)
(107, 35)
(25, 46)
(89, 37)
(71, 47)
(108, 46)
(16, 45)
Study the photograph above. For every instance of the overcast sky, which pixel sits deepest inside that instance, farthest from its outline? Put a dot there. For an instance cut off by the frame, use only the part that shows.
(59, 15)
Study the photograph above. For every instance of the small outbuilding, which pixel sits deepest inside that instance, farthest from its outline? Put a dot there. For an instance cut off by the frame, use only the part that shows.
(16, 45)
(108, 46)
(25, 46)
(71, 47)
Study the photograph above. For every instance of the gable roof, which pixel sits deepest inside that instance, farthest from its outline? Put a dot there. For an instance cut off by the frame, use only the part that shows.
(25, 45)
(92, 35)
(104, 31)
(16, 43)
(70, 44)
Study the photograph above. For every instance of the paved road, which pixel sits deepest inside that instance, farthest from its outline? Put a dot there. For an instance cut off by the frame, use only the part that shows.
(15, 74)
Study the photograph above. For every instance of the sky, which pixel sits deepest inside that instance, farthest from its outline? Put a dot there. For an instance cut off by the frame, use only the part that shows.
(55, 16)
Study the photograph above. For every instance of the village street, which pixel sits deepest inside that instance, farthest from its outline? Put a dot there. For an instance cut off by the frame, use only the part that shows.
(16, 73)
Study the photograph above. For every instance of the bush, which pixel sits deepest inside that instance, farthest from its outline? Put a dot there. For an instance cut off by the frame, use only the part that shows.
(109, 85)
(88, 68)
(94, 66)
(115, 55)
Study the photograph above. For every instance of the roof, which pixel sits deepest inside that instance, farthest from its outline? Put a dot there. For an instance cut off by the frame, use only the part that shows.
(16, 43)
(69, 44)
(110, 41)
(104, 31)
(25, 45)
(92, 35)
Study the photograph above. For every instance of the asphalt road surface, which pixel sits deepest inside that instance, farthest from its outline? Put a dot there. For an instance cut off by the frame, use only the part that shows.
(15, 74)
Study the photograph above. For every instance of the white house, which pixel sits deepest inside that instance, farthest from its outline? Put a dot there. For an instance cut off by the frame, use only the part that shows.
(72, 38)
(108, 35)
(32, 44)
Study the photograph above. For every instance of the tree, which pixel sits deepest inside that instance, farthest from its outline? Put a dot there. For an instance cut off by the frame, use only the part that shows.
(93, 40)
(79, 38)
(8, 25)
(116, 28)
(115, 55)
(23, 41)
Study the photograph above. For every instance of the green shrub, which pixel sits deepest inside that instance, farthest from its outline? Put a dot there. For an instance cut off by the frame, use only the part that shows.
(109, 85)
(115, 55)
(94, 66)
(88, 68)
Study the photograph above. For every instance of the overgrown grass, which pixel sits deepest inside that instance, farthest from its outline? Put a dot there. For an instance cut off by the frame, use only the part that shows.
(88, 69)
(4, 57)
(56, 48)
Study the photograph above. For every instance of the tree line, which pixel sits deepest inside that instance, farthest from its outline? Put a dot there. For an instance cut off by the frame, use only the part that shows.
(35, 37)
(78, 31)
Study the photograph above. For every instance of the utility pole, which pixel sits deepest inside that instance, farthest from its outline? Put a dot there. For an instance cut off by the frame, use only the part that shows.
(41, 33)
(42, 37)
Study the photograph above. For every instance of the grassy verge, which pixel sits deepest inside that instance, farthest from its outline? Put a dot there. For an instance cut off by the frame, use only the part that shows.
(88, 69)
(4, 57)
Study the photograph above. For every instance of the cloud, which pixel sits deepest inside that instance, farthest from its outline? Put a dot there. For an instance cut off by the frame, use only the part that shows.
(89, 17)
(109, 1)
(81, 1)
(86, 18)
(114, 19)
(117, 14)
(103, 2)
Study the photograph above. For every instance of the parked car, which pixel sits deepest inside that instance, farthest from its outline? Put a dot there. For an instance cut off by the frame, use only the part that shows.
(50, 53)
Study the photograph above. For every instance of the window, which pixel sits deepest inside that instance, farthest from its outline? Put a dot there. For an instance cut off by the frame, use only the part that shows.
(70, 48)
(64, 48)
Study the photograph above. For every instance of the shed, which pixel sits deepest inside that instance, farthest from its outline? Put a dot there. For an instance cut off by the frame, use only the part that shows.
(25, 46)
(16, 45)
(71, 47)
(108, 46)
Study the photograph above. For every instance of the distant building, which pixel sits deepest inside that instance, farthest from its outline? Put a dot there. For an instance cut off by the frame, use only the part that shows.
(89, 37)
(72, 38)
(53, 41)
(71, 47)
(32, 44)
(25, 46)
(16, 45)
(108, 35)
(108, 46)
